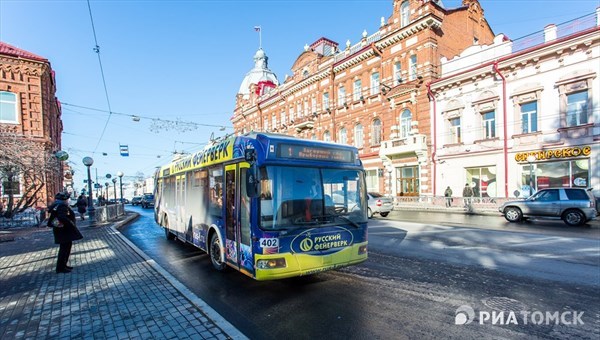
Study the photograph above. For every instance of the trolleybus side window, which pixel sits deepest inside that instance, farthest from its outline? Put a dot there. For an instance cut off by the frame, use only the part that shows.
(230, 204)
(215, 203)
(244, 209)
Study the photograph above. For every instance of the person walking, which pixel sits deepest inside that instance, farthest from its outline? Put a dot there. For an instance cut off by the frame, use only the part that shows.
(467, 194)
(62, 220)
(448, 195)
(81, 206)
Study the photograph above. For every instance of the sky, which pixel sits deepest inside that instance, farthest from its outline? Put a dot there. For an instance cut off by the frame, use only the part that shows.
(184, 61)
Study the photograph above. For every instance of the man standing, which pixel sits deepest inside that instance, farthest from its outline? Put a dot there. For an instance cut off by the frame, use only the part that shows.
(448, 195)
(62, 221)
(467, 194)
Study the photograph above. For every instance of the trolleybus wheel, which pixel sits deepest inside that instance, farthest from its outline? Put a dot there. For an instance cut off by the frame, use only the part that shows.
(168, 234)
(215, 252)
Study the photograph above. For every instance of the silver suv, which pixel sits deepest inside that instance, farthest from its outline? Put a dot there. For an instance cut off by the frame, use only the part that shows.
(575, 206)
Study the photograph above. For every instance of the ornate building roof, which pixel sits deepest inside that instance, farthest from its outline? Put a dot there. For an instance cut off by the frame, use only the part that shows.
(10, 50)
(259, 74)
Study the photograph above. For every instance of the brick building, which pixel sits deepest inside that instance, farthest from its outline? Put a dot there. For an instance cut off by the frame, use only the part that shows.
(371, 94)
(30, 111)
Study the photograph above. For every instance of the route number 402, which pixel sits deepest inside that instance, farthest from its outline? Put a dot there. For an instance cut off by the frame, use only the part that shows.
(269, 242)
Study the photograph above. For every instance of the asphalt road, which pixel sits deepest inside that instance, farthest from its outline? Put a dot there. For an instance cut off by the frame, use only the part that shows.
(398, 293)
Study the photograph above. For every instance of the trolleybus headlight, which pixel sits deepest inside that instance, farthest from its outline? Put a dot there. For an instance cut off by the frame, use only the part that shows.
(362, 249)
(271, 263)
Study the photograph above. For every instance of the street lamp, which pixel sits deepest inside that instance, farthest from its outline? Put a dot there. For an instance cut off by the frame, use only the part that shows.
(120, 174)
(106, 185)
(88, 161)
(530, 160)
(114, 180)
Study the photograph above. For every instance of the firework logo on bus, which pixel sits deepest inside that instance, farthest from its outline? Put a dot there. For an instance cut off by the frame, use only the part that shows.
(322, 242)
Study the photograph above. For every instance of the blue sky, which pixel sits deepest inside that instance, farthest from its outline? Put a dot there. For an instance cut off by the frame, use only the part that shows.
(185, 60)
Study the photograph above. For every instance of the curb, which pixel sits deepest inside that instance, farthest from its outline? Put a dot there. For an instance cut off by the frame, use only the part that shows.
(223, 324)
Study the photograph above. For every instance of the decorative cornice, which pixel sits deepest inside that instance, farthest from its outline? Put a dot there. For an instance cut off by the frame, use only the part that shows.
(429, 21)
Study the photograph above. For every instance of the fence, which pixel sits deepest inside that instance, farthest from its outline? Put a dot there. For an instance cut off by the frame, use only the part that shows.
(434, 202)
(35, 218)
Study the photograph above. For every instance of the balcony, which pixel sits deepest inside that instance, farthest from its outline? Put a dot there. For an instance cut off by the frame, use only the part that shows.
(303, 123)
(415, 145)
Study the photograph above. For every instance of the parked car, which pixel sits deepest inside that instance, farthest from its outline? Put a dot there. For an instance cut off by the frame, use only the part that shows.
(379, 204)
(136, 200)
(147, 201)
(575, 206)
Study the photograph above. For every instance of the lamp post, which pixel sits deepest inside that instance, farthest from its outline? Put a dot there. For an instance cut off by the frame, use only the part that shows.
(88, 161)
(106, 185)
(530, 160)
(114, 180)
(120, 174)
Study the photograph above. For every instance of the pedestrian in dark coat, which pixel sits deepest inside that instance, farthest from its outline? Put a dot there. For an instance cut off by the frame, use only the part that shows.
(65, 235)
(81, 206)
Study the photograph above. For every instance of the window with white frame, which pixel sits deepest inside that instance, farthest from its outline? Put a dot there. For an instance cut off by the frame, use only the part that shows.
(343, 138)
(529, 117)
(306, 108)
(358, 136)
(8, 107)
(372, 179)
(292, 115)
(299, 110)
(327, 136)
(577, 110)
(357, 89)
(266, 124)
(342, 95)
(404, 13)
(488, 121)
(283, 118)
(405, 120)
(375, 83)
(274, 121)
(313, 105)
(397, 73)
(376, 132)
(412, 66)
(454, 130)
(325, 100)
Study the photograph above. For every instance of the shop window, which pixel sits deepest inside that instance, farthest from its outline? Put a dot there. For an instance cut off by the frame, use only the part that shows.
(375, 83)
(483, 181)
(407, 180)
(405, 121)
(358, 136)
(529, 117)
(376, 132)
(8, 107)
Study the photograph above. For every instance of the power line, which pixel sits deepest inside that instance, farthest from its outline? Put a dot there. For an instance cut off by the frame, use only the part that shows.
(97, 50)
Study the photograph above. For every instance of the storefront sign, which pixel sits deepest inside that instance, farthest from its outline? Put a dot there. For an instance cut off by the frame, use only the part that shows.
(557, 153)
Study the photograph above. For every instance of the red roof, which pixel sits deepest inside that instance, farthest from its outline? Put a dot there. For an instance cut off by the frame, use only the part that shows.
(7, 49)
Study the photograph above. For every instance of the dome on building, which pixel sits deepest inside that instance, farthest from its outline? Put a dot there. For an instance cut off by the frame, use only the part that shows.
(259, 74)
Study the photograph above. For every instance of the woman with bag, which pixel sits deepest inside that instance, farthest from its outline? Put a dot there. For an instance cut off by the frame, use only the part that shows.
(62, 221)
(81, 206)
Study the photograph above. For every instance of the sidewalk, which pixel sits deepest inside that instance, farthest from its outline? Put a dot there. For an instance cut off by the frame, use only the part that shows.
(113, 292)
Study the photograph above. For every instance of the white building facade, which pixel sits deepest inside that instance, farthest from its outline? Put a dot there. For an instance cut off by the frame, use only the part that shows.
(518, 116)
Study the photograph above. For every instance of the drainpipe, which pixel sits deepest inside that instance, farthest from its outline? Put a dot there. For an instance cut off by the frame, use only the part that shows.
(495, 67)
(434, 147)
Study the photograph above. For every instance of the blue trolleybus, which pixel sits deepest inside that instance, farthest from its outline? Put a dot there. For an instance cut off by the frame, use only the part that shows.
(268, 205)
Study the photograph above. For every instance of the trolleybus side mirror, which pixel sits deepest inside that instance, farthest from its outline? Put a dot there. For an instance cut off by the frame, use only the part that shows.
(252, 183)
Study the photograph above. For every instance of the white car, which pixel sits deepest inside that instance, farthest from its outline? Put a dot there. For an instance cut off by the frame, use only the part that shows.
(379, 204)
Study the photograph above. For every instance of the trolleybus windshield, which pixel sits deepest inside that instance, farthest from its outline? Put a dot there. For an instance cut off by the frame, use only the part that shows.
(293, 197)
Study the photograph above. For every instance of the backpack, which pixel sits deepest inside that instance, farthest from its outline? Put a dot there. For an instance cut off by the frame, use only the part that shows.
(53, 221)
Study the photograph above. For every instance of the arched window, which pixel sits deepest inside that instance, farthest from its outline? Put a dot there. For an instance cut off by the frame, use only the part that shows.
(326, 136)
(404, 13)
(8, 107)
(343, 139)
(376, 132)
(358, 135)
(405, 120)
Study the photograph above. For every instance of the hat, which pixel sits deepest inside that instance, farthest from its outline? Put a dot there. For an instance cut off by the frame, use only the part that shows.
(62, 196)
